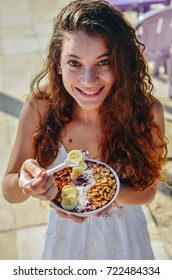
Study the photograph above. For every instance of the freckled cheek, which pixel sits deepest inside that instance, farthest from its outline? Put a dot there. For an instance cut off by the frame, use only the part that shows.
(108, 75)
(69, 75)
(109, 78)
(69, 81)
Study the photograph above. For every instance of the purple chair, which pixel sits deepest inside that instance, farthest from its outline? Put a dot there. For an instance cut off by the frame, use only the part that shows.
(125, 5)
(154, 30)
(139, 6)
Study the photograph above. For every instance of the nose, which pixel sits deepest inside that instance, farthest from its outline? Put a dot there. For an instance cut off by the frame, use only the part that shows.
(89, 76)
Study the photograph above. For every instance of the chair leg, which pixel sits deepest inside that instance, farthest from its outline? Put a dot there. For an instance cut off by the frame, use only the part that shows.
(169, 75)
(169, 88)
(158, 63)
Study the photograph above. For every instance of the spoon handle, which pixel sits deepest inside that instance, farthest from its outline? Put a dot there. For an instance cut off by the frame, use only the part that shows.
(27, 183)
(56, 168)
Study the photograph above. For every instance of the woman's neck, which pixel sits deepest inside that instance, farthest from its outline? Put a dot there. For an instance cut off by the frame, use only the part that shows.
(87, 116)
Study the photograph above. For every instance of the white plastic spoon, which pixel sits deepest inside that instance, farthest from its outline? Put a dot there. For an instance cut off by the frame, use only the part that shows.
(66, 163)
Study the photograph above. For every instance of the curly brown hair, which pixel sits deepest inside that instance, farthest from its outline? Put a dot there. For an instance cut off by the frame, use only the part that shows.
(126, 118)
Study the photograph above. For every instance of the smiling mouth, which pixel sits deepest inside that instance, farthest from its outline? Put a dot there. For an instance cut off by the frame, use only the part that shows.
(90, 93)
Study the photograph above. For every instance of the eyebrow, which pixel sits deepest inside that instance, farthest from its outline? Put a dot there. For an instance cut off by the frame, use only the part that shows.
(100, 56)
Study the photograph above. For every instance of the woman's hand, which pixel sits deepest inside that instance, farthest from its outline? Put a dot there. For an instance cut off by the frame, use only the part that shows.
(76, 219)
(43, 188)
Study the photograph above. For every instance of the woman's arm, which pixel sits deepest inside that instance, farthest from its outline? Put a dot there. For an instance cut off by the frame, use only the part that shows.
(130, 196)
(21, 150)
(23, 157)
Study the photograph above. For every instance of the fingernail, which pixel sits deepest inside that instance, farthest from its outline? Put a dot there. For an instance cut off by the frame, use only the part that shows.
(37, 172)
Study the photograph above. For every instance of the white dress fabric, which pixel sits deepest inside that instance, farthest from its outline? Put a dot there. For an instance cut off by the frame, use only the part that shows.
(122, 235)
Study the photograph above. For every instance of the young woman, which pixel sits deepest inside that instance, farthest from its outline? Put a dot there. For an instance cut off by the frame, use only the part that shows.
(94, 93)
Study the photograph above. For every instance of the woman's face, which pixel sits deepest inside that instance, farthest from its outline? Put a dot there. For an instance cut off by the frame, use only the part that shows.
(86, 69)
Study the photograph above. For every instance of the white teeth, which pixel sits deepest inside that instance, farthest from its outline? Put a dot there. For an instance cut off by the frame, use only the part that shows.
(90, 92)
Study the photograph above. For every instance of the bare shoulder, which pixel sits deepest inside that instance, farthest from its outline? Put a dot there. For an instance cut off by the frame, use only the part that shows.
(156, 105)
(34, 109)
(158, 113)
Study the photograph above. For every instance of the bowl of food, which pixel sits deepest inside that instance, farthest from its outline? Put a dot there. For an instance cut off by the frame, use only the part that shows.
(87, 188)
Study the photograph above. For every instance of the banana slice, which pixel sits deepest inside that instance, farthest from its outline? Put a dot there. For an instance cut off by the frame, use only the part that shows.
(69, 190)
(76, 172)
(75, 156)
(69, 197)
(83, 165)
(69, 202)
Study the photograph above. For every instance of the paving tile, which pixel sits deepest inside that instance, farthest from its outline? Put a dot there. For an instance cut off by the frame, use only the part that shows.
(1, 79)
(156, 242)
(167, 243)
(28, 63)
(1, 54)
(19, 83)
(158, 249)
(8, 126)
(43, 42)
(160, 208)
(168, 128)
(14, 6)
(31, 212)
(4, 159)
(7, 215)
(19, 45)
(44, 28)
(152, 227)
(15, 19)
(160, 89)
(30, 242)
(12, 32)
(40, 13)
(8, 245)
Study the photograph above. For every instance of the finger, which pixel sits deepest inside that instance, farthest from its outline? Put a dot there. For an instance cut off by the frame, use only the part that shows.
(43, 188)
(74, 218)
(27, 175)
(49, 194)
(31, 167)
(62, 214)
(35, 186)
(78, 220)
(43, 183)
(26, 191)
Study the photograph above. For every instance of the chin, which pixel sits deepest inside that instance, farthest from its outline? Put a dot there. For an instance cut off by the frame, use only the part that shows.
(90, 108)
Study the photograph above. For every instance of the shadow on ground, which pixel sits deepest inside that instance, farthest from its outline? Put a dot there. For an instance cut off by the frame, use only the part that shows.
(10, 105)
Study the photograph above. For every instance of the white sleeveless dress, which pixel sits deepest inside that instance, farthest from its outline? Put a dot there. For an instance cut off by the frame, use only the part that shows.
(121, 235)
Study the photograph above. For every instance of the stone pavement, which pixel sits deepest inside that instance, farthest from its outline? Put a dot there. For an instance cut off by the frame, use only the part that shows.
(25, 27)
